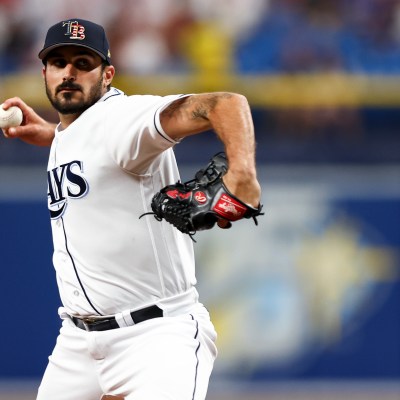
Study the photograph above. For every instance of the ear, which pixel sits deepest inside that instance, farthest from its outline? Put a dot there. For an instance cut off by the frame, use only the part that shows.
(44, 71)
(108, 74)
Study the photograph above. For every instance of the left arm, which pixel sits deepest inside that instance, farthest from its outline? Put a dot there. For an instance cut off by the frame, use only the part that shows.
(229, 115)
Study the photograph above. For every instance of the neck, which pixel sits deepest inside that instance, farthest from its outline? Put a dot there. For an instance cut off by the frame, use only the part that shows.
(67, 119)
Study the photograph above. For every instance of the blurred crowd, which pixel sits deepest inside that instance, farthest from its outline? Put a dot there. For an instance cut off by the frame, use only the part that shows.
(146, 36)
(240, 37)
(360, 36)
(245, 36)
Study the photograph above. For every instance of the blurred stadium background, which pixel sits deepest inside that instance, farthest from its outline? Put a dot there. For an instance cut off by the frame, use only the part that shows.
(307, 304)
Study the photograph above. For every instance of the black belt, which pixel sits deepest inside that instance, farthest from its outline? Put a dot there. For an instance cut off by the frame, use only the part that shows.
(110, 323)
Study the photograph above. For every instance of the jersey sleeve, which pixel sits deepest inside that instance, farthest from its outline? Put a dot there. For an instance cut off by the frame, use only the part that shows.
(134, 135)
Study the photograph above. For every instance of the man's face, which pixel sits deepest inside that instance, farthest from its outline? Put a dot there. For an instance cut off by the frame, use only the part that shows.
(75, 79)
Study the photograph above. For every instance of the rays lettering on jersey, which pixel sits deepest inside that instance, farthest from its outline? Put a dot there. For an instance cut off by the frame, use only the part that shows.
(65, 181)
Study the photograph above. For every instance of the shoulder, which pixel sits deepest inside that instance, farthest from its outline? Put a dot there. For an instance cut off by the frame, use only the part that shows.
(137, 103)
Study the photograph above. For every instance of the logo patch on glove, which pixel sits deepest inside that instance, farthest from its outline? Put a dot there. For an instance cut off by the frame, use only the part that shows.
(229, 208)
(200, 197)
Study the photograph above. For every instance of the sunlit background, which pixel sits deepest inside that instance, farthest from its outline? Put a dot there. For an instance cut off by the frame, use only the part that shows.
(307, 303)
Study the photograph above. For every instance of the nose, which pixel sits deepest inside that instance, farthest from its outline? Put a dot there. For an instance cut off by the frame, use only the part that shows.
(69, 73)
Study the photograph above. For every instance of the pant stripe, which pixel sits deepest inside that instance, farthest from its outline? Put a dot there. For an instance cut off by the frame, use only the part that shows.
(197, 358)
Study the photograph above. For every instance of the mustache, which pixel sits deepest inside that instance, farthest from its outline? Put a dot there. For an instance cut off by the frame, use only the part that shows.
(68, 85)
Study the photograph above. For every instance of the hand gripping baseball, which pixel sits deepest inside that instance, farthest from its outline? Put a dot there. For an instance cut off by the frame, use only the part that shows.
(34, 129)
(199, 203)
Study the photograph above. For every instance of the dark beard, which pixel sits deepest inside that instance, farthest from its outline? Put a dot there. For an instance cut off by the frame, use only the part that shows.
(66, 107)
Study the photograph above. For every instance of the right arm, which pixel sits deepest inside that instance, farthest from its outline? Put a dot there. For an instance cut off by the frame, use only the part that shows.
(34, 129)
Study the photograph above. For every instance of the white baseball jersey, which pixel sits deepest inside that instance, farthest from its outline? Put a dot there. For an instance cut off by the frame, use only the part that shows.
(102, 174)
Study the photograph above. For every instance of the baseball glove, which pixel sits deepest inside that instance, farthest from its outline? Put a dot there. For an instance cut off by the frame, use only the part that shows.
(199, 203)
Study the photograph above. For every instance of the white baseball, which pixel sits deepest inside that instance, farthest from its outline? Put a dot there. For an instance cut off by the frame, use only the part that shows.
(11, 117)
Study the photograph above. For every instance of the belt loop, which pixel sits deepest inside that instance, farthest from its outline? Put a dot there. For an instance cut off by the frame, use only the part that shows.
(124, 319)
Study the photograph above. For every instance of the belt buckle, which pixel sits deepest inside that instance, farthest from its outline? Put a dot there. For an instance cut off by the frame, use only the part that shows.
(86, 322)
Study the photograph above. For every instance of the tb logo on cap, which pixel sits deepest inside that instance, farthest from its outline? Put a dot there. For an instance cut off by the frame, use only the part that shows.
(74, 30)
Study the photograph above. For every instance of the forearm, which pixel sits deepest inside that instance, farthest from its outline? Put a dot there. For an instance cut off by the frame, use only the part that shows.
(231, 120)
(229, 116)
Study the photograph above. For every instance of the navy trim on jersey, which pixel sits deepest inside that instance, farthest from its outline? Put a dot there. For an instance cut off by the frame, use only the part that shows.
(197, 358)
(158, 131)
(155, 124)
(109, 94)
(113, 95)
(76, 271)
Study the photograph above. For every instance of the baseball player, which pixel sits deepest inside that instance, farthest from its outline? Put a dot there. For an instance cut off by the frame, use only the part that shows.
(132, 325)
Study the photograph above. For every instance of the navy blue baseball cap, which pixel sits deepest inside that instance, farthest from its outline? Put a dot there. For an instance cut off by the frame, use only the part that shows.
(77, 32)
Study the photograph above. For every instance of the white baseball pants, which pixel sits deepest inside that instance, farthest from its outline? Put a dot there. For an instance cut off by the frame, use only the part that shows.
(169, 358)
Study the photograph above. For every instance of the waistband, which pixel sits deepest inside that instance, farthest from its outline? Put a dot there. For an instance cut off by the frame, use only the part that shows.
(179, 304)
(120, 320)
(170, 306)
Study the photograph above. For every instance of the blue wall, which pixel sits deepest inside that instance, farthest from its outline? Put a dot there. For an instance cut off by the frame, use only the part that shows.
(368, 346)
(28, 293)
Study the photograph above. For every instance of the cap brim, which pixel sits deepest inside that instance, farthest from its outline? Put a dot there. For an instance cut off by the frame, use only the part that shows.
(44, 52)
